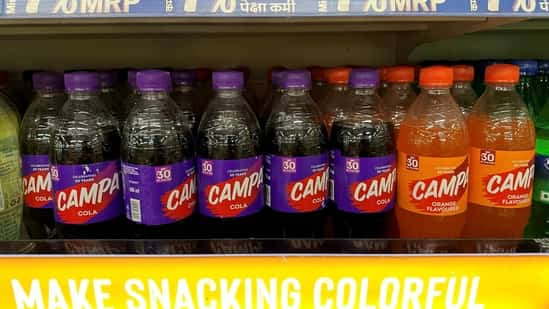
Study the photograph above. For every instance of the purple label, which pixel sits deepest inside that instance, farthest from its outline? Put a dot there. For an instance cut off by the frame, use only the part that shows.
(364, 185)
(156, 195)
(87, 193)
(37, 181)
(297, 184)
(230, 188)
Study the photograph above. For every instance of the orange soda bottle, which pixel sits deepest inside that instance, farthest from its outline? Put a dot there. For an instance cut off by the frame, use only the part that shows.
(502, 154)
(400, 94)
(336, 95)
(432, 165)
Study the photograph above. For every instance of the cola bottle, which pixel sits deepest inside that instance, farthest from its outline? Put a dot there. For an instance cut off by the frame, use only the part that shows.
(85, 166)
(35, 148)
(297, 170)
(230, 163)
(184, 96)
(363, 163)
(108, 82)
(157, 163)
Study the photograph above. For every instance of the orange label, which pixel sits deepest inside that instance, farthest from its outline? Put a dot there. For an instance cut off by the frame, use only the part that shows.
(501, 178)
(432, 186)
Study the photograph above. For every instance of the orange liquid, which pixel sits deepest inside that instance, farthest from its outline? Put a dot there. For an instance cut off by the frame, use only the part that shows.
(496, 222)
(415, 138)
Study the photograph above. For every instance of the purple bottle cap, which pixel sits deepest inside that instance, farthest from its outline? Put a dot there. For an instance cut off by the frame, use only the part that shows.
(108, 78)
(296, 79)
(364, 78)
(132, 81)
(47, 81)
(277, 76)
(228, 80)
(81, 81)
(183, 77)
(153, 80)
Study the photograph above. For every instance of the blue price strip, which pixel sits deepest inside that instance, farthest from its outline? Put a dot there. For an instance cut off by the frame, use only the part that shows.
(271, 8)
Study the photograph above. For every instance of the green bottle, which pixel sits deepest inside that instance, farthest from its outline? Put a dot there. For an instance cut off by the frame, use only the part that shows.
(527, 85)
(11, 182)
(538, 227)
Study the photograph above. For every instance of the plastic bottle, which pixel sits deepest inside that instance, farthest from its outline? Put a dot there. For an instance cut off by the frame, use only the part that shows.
(274, 97)
(364, 162)
(338, 85)
(229, 157)
(297, 167)
(157, 162)
(185, 98)
(11, 180)
(538, 226)
(502, 138)
(85, 166)
(527, 85)
(108, 82)
(432, 161)
(399, 95)
(462, 91)
(318, 90)
(35, 149)
(131, 99)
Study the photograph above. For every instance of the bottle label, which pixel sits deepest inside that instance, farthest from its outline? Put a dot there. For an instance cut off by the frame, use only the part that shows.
(364, 185)
(230, 188)
(501, 178)
(87, 193)
(541, 180)
(432, 186)
(297, 184)
(156, 195)
(37, 181)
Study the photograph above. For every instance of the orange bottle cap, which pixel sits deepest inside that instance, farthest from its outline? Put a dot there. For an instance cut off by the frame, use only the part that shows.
(318, 74)
(464, 72)
(401, 74)
(339, 75)
(436, 76)
(383, 72)
(502, 73)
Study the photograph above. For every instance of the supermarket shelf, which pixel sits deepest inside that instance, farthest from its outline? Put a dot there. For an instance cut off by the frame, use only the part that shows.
(270, 8)
(276, 246)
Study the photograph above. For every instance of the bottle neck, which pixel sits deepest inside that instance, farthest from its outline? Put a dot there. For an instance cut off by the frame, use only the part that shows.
(157, 95)
(183, 88)
(297, 92)
(339, 87)
(501, 87)
(462, 84)
(229, 93)
(363, 91)
(49, 93)
(436, 90)
(108, 90)
(82, 94)
(404, 86)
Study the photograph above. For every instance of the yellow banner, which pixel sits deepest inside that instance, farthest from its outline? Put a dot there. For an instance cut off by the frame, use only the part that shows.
(365, 282)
